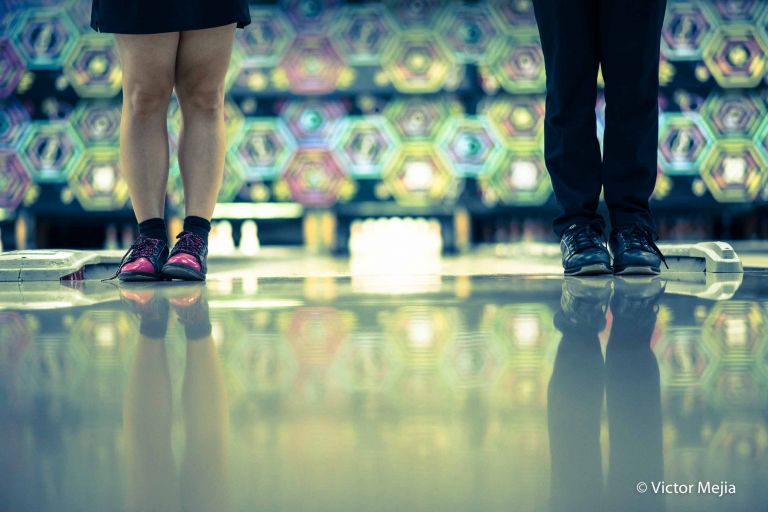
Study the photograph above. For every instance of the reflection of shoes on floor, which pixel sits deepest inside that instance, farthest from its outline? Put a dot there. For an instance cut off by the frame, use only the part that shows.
(191, 307)
(584, 302)
(151, 308)
(634, 296)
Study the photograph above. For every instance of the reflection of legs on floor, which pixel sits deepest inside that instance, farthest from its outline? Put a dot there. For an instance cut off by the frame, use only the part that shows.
(147, 416)
(634, 397)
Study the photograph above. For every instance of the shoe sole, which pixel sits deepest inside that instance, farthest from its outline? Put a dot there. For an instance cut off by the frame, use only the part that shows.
(182, 272)
(638, 271)
(139, 277)
(596, 269)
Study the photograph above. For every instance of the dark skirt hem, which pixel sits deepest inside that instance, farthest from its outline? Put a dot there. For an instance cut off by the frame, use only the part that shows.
(156, 30)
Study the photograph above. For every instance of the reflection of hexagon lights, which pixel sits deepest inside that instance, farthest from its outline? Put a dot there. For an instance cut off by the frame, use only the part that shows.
(418, 176)
(518, 64)
(734, 172)
(468, 30)
(362, 33)
(417, 118)
(312, 121)
(417, 61)
(97, 122)
(314, 178)
(471, 361)
(44, 36)
(93, 68)
(11, 68)
(734, 114)
(96, 180)
(470, 144)
(519, 178)
(365, 145)
(519, 120)
(51, 150)
(421, 332)
(736, 56)
(263, 148)
(683, 360)
(737, 329)
(687, 27)
(14, 180)
(684, 142)
(13, 120)
(312, 65)
(265, 40)
(368, 363)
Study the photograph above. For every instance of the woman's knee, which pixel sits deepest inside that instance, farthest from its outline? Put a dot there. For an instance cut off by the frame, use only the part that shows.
(201, 97)
(147, 100)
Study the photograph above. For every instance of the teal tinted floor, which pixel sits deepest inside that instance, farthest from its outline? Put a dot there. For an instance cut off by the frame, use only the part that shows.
(385, 394)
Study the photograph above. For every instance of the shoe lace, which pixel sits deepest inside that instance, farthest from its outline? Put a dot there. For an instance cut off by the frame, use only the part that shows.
(583, 237)
(641, 237)
(142, 247)
(189, 243)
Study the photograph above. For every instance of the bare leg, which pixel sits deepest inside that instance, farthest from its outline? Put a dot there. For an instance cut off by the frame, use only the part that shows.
(201, 65)
(148, 63)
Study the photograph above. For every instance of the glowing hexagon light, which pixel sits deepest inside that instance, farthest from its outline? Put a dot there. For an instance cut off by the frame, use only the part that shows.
(312, 121)
(734, 171)
(97, 122)
(519, 178)
(418, 176)
(734, 114)
(518, 120)
(684, 142)
(518, 64)
(13, 121)
(96, 180)
(414, 13)
(50, 149)
(263, 147)
(738, 10)
(515, 15)
(44, 37)
(92, 67)
(417, 119)
(14, 180)
(418, 62)
(11, 68)
(362, 32)
(469, 31)
(231, 183)
(470, 144)
(309, 14)
(314, 178)
(267, 37)
(312, 65)
(687, 27)
(364, 145)
(736, 56)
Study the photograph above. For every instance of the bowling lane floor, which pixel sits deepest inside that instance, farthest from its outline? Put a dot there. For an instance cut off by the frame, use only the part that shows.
(386, 393)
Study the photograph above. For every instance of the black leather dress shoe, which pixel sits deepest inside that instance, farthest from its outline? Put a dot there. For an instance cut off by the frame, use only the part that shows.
(634, 250)
(584, 251)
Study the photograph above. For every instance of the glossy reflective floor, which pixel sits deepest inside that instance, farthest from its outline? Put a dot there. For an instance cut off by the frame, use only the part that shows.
(382, 394)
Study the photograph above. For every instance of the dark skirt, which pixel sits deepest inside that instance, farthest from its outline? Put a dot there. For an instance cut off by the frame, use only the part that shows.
(158, 16)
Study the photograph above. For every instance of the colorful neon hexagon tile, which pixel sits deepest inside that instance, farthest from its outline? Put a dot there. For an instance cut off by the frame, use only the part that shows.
(364, 145)
(97, 122)
(418, 62)
(412, 14)
(519, 121)
(44, 37)
(687, 27)
(312, 65)
(417, 119)
(314, 178)
(231, 183)
(734, 172)
(263, 148)
(734, 115)
(96, 180)
(469, 31)
(684, 142)
(470, 144)
(312, 121)
(362, 32)
(736, 56)
(50, 149)
(266, 39)
(519, 178)
(11, 68)
(514, 15)
(309, 14)
(518, 64)
(14, 180)
(419, 176)
(13, 121)
(92, 67)
(738, 10)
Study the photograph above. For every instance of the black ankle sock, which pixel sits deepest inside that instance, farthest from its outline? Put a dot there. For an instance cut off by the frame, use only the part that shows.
(198, 226)
(154, 228)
